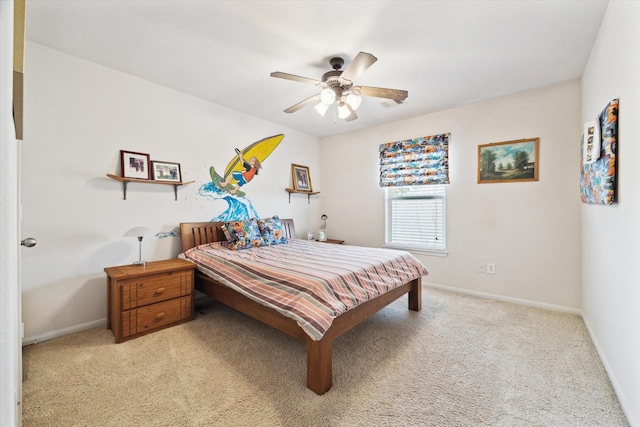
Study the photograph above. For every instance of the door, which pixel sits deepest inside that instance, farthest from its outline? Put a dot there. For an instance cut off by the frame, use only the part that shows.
(10, 291)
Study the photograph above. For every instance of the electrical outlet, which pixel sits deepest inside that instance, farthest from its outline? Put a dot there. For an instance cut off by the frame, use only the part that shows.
(482, 269)
(491, 268)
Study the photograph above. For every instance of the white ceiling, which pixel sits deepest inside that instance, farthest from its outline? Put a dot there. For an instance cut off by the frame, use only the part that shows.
(444, 53)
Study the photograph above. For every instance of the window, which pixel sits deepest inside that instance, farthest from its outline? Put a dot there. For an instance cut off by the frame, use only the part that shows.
(415, 217)
(413, 172)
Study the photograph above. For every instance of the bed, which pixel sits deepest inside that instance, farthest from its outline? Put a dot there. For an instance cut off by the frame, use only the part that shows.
(198, 237)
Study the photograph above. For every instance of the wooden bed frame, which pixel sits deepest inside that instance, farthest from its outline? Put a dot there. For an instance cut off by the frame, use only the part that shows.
(319, 353)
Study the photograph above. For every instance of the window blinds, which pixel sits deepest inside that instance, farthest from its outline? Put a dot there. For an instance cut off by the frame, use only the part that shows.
(415, 217)
(418, 161)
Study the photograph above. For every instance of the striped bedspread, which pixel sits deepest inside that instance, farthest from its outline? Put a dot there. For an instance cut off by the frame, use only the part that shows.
(309, 282)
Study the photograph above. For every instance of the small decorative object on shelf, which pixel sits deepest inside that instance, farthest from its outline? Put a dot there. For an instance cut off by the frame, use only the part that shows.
(166, 171)
(135, 165)
(301, 178)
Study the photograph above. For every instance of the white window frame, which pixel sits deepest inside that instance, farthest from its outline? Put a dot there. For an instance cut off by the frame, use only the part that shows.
(421, 227)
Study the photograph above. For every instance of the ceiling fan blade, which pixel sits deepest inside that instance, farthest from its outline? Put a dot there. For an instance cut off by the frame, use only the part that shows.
(360, 63)
(380, 92)
(287, 76)
(314, 99)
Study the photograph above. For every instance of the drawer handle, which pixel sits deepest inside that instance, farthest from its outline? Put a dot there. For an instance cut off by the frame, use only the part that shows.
(160, 290)
(160, 315)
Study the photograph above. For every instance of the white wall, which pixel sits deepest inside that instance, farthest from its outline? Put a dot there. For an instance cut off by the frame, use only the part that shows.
(530, 230)
(611, 234)
(78, 116)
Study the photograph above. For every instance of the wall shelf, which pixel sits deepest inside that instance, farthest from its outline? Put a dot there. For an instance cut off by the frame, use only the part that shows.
(126, 181)
(308, 193)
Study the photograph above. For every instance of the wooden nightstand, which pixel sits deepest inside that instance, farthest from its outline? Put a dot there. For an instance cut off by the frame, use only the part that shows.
(145, 299)
(334, 241)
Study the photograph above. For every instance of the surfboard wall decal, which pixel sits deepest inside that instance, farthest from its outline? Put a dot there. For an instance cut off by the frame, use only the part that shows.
(240, 170)
(260, 150)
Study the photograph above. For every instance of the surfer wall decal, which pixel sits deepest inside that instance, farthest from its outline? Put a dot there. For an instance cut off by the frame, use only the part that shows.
(242, 177)
(242, 168)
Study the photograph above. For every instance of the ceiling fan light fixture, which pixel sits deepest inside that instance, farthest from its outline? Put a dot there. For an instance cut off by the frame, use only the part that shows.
(322, 108)
(337, 88)
(327, 96)
(354, 101)
(343, 110)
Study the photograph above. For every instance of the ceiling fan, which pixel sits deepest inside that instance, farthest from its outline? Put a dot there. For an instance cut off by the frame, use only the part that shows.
(337, 87)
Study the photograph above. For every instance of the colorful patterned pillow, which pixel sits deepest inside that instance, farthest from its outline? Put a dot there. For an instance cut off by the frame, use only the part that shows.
(272, 230)
(243, 234)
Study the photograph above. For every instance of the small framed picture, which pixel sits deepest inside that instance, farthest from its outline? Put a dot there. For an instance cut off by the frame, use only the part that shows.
(322, 236)
(135, 165)
(301, 178)
(166, 171)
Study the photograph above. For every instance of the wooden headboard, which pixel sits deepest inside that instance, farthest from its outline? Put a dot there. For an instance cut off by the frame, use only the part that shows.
(199, 233)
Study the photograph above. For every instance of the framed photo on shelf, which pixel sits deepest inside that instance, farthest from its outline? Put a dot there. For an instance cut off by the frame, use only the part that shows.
(135, 165)
(322, 236)
(166, 171)
(509, 161)
(301, 178)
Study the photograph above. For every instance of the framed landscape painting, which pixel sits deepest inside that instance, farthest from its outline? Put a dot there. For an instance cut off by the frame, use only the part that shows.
(509, 161)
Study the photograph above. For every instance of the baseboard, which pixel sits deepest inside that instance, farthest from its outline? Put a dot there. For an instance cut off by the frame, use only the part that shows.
(83, 327)
(610, 373)
(103, 322)
(503, 298)
(79, 328)
(61, 332)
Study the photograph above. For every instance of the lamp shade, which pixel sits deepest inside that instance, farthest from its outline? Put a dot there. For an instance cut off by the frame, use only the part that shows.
(327, 96)
(354, 100)
(137, 232)
(322, 108)
(343, 110)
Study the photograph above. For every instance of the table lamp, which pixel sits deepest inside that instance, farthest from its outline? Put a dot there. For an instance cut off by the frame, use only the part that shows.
(323, 232)
(138, 232)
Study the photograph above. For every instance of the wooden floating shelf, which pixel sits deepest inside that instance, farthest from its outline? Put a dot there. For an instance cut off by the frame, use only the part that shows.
(126, 181)
(308, 193)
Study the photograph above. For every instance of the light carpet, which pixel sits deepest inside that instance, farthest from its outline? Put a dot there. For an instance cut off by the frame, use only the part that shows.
(461, 361)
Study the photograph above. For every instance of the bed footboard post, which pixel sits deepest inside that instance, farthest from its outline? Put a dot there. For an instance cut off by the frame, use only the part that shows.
(319, 365)
(415, 295)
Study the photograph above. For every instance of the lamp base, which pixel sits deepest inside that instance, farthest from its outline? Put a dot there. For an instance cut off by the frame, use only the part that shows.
(140, 263)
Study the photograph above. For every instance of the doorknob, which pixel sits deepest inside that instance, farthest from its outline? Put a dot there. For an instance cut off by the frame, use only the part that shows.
(29, 242)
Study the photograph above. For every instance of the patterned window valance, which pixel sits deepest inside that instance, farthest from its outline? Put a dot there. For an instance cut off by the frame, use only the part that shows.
(418, 161)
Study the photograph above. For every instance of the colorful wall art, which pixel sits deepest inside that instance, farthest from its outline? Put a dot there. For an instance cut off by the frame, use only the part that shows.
(230, 183)
(598, 178)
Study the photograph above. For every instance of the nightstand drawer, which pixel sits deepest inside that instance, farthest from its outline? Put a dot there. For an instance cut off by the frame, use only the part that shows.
(156, 288)
(156, 316)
